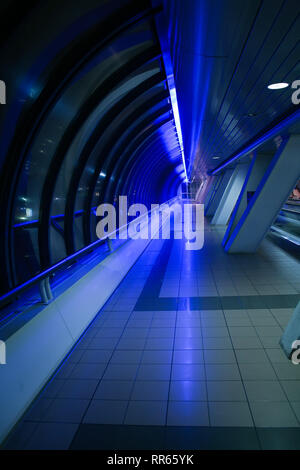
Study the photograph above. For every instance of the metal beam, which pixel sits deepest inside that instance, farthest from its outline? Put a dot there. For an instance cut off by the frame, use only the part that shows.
(98, 132)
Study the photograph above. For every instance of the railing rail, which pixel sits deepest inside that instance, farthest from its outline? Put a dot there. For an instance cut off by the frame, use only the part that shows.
(43, 278)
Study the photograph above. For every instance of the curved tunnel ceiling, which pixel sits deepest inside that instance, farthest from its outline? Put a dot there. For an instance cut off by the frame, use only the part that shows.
(224, 54)
(90, 107)
(88, 118)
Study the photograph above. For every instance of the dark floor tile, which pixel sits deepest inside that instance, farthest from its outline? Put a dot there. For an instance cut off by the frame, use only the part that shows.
(186, 438)
(205, 303)
(65, 410)
(52, 436)
(38, 410)
(140, 438)
(233, 439)
(231, 303)
(114, 390)
(279, 439)
(146, 413)
(20, 436)
(95, 356)
(106, 412)
(88, 371)
(207, 438)
(282, 301)
(253, 301)
(182, 303)
(94, 437)
(78, 389)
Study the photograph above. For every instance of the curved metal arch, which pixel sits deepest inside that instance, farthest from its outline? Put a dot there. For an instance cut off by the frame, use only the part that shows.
(159, 163)
(131, 155)
(148, 120)
(57, 160)
(118, 151)
(173, 181)
(145, 186)
(156, 141)
(149, 188)
(135, 164)
(143, 141)
(134, 139)
(29, 122)
(150, 131)
(99, 131)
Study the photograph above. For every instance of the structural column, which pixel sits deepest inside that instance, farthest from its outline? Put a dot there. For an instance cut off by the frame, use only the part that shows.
(230, 195)
(256, 170)
(269, 183)
(215, 195)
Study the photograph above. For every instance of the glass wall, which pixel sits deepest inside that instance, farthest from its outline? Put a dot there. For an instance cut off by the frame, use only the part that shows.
(99, 124)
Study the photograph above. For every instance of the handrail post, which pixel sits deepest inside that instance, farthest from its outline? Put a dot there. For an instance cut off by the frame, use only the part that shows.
(42, 279)
(48, 289)
(45, 291)
(109, 244)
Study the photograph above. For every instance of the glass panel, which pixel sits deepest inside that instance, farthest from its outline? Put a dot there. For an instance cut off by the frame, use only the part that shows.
(98, 195)
(35, 170)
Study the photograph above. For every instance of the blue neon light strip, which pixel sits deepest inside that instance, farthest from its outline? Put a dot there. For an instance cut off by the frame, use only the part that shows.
(167, 61)
(174, 103)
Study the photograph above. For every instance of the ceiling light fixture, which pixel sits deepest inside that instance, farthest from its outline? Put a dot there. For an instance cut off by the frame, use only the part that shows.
(278, 86)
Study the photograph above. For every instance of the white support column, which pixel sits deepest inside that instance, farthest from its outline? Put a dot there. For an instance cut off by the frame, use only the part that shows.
(230, 195)
(256, 170)
(217, 192)
(273, 190)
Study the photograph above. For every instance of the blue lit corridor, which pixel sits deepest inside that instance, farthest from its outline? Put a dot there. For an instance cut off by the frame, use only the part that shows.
(189, 341)
(129, 131)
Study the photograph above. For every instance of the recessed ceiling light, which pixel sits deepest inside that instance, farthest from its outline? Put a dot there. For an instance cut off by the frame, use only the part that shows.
(277, 86)
(216, 157)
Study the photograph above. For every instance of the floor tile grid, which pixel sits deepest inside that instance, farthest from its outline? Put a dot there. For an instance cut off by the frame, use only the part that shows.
(158, 284)
(242, 379)
(250, 266)
(279, 381)
(172, 362)
(34, 424)
(176, 323)
(251, 322)
(109, 362)
(60, 374)
(89, 334)
(86, 337)
(57, 377)
(205, 372)
(235, 286)
(246, 395)
(114, 350)
(137, 372)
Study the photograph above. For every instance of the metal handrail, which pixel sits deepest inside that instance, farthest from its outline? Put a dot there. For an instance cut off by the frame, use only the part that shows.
(43, 277)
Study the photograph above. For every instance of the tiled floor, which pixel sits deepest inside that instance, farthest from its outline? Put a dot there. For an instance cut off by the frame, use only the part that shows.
(189, 344)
